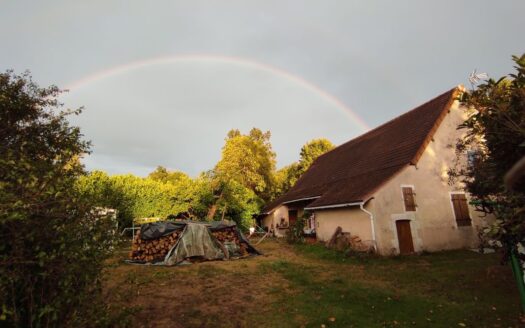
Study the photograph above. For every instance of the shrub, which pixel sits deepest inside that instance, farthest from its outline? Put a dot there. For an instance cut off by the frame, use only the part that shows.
(53, 245)
(295, 233)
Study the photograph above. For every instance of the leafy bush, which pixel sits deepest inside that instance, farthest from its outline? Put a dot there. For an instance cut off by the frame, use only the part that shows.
(135, 197)
(53, 245)
(495, 133)
(295, 233)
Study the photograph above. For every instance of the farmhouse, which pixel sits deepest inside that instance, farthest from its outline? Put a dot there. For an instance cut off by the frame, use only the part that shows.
(389, 186)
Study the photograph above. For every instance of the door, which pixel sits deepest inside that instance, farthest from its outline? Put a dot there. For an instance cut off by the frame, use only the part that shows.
(292, 217)
(404, 236)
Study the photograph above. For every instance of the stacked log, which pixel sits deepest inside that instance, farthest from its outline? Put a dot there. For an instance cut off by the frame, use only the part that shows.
(227, 234)
(358, 245)
(342, 241)
(244, 249)
(154, 249)
(230, 235)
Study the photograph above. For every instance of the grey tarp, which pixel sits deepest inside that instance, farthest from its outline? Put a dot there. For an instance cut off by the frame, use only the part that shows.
(196, 240)
(156, 230)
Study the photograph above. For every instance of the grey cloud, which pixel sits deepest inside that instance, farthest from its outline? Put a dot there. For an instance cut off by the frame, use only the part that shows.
(379, 57)
(178, 115)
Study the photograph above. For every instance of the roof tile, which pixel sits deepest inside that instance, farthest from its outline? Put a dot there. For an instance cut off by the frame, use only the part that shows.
(357, 168)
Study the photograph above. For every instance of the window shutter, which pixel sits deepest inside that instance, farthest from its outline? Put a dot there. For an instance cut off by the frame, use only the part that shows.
(459, 202)
(408, 196)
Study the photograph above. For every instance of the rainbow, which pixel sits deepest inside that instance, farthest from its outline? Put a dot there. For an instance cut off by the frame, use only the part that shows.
(248, 63)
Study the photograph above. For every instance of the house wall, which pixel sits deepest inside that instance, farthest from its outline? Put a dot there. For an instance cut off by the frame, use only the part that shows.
(272, 220)
(433, 224)
(352, 220)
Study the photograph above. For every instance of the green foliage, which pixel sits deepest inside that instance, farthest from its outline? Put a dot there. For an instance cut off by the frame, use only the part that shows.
(53, 246)
(150, 198)
(496, 132)
(286, 177)
(311, 150)
(248, 160)
(244, 177)
(163, 175)
(99, 189)
(295, 233)
(237, 203)
(135, 197)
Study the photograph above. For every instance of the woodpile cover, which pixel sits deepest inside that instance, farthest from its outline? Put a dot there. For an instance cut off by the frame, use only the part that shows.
(172, 243)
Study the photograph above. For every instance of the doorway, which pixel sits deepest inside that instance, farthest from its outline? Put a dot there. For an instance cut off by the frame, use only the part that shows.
(404, 236)
(292, 217)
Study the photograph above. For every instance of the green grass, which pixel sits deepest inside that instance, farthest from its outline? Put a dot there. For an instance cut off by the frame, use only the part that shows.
(448, 289)
(311, 286)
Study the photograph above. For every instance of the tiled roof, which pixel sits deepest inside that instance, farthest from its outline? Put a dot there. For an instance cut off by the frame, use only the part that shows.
(353, 171)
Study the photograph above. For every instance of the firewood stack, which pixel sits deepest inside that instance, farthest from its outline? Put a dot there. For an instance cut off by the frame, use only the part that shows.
(153, 249)
(230, 235)
(358, 245)
(227, 234)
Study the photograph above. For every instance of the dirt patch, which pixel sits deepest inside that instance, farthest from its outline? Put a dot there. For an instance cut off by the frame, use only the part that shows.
(292, 286)
(208, 294)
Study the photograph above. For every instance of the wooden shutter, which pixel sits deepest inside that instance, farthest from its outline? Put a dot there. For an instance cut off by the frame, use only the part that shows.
(408, 196)
(459, 202)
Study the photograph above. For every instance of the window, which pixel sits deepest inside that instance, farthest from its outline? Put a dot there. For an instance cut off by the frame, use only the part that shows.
(408, 197)
(460, 205)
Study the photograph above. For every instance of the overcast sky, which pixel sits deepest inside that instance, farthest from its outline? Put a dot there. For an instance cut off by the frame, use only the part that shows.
(163, 81)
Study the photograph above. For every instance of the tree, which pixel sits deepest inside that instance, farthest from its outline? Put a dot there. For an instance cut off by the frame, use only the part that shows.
(248, 160)
(53, 246)
(311, 150)
(237, 203)
(495, 141)
(163, 175)
(288, 175)
(285, 178)
(135, 197)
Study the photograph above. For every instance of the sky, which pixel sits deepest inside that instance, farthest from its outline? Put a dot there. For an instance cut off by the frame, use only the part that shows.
(162, 82)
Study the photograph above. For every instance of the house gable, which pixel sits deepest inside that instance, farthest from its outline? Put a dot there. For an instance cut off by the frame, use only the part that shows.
(353, 171)
(433, 222)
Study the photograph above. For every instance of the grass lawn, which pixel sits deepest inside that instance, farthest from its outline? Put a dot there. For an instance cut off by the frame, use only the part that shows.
(310, 286)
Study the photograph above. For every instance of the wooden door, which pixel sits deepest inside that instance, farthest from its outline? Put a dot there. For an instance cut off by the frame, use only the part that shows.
(292, 217)
(404, 236)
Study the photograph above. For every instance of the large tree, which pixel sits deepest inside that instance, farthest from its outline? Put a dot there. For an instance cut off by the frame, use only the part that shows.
(311, 150)
(164, 175)
(495, 141)
(248, 160)
(287, 176)
(52, 246)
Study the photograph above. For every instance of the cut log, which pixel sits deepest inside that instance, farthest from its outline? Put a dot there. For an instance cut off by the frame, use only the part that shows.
(332, 240)
(152, 250)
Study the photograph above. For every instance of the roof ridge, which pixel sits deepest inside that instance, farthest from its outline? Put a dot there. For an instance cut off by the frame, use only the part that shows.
(453, 95)
(358, 167)
(459, 87)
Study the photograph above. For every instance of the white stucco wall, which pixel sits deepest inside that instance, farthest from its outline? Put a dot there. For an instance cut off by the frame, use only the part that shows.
(352, 220)
(433, 224)
(274, 218)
